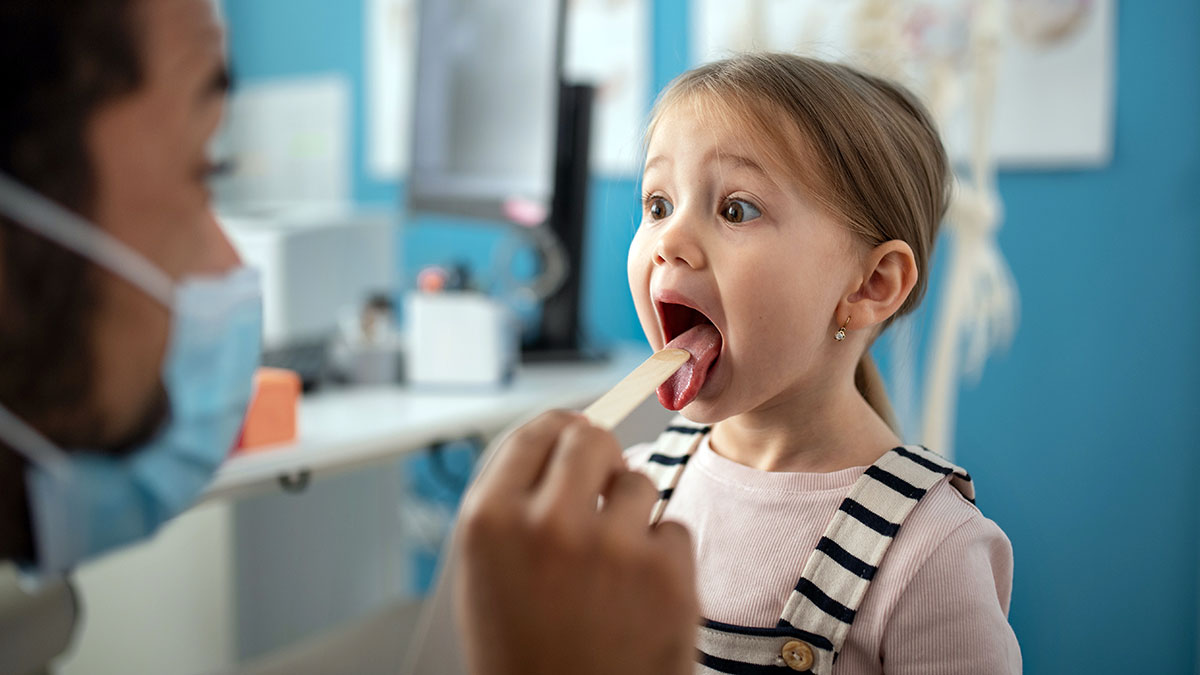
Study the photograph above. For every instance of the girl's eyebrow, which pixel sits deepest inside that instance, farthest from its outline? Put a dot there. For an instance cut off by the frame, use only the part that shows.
(732, 162)
(742, 162)
(655, 160)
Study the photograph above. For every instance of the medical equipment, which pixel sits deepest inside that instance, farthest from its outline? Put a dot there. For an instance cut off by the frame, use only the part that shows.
(610, 409)
(316, 264)
(369, 348)
(499, 135)
(37, 622)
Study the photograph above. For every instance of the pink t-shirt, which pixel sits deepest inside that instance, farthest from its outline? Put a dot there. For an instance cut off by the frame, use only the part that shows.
(938, 605)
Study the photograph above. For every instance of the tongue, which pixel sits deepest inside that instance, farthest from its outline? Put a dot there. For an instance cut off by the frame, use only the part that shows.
(703, 342)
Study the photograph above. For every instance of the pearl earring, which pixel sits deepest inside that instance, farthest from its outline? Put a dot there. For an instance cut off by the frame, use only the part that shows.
(841, 333)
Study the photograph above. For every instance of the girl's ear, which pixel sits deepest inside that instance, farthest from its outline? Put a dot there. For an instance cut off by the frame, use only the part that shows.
(889, 274)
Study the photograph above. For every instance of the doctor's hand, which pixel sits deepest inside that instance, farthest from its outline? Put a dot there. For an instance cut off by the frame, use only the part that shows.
(547, 583)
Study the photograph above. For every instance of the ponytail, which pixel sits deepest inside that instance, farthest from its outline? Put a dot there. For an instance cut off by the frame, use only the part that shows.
(870, 384)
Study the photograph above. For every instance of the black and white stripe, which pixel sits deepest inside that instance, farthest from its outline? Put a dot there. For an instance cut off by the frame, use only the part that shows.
(665, 465)
(727, 648)
(825, 601)
(847, 557)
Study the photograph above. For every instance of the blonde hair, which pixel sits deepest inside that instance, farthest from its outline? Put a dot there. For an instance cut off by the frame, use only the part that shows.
(864, 148)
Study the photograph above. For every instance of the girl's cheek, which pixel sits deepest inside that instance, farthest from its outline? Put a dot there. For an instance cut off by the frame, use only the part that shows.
(638, 269)
(637, 264)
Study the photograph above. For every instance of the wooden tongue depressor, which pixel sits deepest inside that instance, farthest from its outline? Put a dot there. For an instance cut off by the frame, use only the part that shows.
(608, 410)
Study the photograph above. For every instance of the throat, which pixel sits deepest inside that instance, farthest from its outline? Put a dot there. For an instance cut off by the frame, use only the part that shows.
(806, 435)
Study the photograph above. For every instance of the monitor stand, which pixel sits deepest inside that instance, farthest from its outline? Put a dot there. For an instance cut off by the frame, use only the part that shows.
(558, 334)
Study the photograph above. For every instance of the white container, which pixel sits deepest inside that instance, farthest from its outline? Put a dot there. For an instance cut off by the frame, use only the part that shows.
(459, 339)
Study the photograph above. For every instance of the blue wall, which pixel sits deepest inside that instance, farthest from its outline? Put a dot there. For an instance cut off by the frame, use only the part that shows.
(1083, 438)
(1086, 437)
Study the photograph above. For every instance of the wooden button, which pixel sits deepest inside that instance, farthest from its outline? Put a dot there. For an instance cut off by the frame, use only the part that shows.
(798, 655)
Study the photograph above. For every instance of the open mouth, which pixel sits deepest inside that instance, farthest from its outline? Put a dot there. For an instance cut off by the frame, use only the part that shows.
(679, 319)
(689, 329)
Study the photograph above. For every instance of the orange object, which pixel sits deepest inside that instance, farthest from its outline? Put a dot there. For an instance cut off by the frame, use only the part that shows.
(271, 419)
(432, 279)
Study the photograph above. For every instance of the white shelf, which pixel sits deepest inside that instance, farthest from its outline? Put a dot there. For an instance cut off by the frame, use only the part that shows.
(342, 429)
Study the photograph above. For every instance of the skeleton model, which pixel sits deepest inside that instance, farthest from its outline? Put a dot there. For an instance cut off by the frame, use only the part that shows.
(954, 49)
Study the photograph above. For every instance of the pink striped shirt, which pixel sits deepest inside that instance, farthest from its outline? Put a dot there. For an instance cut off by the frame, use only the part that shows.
(939, 603)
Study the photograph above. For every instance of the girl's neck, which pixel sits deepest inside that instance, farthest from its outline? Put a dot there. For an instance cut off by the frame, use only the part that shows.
(814, 432)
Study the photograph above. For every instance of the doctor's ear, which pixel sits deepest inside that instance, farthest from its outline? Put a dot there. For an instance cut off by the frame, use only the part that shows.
(889, 274)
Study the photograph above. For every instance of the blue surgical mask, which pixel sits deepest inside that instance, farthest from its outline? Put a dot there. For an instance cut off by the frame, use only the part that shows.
(85, 503)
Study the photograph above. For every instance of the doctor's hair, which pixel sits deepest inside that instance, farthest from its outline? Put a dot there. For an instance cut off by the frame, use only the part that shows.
(863, 147)
(61, 61)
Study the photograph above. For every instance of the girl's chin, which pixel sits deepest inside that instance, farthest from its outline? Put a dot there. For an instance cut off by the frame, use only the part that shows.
(708, 411)
(711, 405)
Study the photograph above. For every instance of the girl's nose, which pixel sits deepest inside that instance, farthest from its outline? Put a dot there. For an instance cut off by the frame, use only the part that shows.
(678, 245)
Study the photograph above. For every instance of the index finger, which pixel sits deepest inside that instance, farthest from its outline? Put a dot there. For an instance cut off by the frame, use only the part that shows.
(585, 460)
(521, 458)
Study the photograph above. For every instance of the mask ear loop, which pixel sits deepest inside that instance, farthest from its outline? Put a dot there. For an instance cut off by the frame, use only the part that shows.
(49, 518)
(26, 440)
(60, 225)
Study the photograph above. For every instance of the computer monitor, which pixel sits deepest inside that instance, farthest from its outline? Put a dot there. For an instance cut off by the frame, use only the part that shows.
(495, 122)
(485, 105)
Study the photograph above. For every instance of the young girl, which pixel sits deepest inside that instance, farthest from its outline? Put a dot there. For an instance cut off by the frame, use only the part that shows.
(790, 211)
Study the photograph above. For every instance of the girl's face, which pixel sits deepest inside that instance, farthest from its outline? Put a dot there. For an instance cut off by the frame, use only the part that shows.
(726, 233)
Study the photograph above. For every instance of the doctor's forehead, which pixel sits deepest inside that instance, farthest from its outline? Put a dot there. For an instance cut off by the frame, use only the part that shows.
(184, 39)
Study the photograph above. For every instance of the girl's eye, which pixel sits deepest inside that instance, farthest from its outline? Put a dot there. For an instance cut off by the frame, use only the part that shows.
(740, 211)
(659, 208)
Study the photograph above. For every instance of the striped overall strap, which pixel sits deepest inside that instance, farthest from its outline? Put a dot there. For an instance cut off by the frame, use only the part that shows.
(835, 578)
(672, 450)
